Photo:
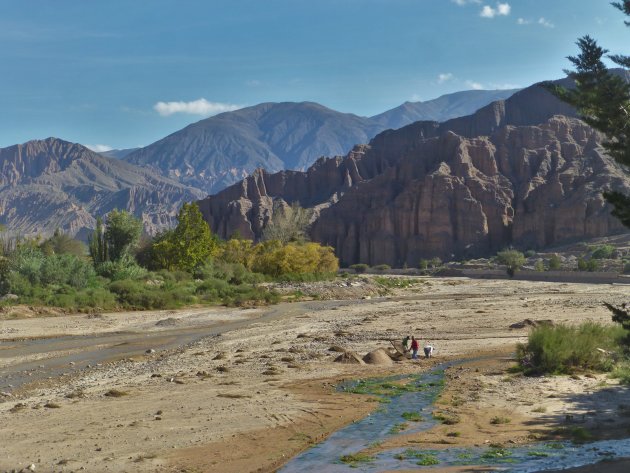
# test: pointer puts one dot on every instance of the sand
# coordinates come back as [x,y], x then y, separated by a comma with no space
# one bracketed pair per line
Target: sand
[251,398]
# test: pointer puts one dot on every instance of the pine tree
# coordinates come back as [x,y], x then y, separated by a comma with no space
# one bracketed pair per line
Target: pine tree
[603,101]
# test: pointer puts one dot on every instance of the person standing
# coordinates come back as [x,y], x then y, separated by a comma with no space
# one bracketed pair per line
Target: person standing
[428,350]
[414,348]
[405,343]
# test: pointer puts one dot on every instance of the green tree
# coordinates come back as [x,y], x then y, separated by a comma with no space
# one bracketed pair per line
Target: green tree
[288,224]
[122,233]
[603,101]
[96,243]
[512,259]
[62,244]
[189,245]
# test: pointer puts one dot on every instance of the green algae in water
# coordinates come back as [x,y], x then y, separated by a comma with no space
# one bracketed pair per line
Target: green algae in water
[538,454]
[356,458]
[555,446]
[412,416]
[385,389]
[398,428]
[424,458]
[497,455]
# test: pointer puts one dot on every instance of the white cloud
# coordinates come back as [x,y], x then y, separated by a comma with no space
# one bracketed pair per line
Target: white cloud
[445,77]
[253,83]
[99,148]
[474,85]
[546,23]
[196,107]
[465,2]
[502,9]
[522,21]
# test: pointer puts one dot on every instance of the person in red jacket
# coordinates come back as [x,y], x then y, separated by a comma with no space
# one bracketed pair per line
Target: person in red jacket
[414,348]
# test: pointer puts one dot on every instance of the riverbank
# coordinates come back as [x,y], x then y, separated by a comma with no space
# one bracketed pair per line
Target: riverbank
[249,399]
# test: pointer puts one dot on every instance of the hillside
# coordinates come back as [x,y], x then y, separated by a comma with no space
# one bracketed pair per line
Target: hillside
[53,184]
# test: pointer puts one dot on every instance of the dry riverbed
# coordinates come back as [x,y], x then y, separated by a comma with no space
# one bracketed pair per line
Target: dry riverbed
[249,399]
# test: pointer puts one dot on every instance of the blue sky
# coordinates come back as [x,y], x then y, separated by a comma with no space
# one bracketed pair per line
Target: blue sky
[124,73]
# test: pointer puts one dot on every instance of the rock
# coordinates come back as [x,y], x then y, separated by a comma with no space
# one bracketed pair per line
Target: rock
[511,174]
[150,350]
[378,357]
[31,467]
[9,297]
[349,357]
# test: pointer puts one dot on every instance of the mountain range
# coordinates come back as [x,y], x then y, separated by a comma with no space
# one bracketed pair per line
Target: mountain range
[52,184]
[521,171]
[221,150]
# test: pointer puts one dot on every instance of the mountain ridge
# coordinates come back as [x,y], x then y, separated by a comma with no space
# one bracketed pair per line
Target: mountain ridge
[220,150]
[53,184]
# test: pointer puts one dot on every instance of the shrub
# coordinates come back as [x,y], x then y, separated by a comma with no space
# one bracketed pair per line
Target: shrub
[382,267]
[123,268]
[66,269]
[512,259]
[602,251]
[360,268]
[587,265]
[424,264]
[555,263]
[435,262]
[563,350]
[539,266]
[530,254]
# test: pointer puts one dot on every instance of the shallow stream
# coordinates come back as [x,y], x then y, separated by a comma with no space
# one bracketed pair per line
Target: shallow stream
[406,406]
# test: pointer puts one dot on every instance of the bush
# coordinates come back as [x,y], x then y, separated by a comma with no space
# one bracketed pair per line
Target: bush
[360,268]
[382,267]
[66,269]
[423,264]
[123,268]
[539,266]
[563,349]
[530,254]
[587,265]
[512,259]
[555,263]
[602,252]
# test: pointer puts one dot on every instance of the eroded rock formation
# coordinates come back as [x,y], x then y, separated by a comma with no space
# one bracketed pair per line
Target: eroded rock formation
[507,175]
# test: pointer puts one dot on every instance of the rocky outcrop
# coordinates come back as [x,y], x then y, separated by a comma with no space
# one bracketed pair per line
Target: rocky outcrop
[52,184]
[511,174]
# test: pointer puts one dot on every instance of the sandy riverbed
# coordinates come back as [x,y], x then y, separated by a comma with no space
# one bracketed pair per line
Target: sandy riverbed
[251,398]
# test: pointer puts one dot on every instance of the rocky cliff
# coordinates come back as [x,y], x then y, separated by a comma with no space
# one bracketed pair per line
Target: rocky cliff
[52,184]
[514,173]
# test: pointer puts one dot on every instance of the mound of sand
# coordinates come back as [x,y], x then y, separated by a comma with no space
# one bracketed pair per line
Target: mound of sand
[378,357]
[349,357]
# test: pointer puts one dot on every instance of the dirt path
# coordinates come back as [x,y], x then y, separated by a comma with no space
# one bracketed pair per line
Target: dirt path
[250,398]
